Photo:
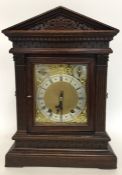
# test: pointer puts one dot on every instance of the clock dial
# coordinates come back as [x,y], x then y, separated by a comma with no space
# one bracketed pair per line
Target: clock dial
[79,71]
[60,93]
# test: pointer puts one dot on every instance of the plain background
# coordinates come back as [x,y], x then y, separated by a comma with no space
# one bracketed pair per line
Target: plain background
[15,11]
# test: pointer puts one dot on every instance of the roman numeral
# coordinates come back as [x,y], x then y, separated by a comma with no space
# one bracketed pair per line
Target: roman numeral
[77,107]
[61,78]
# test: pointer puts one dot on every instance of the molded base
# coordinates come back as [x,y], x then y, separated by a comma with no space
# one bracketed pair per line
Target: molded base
[19,157]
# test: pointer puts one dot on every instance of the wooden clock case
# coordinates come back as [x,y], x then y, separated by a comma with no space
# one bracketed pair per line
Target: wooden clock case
[61,36]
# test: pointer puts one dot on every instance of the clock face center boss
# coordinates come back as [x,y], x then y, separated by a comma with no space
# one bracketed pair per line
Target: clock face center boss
[60,91]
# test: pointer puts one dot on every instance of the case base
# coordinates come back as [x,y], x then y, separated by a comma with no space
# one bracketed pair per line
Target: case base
[86,158]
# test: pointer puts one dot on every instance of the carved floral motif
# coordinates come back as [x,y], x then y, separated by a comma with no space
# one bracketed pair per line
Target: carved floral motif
[61,22]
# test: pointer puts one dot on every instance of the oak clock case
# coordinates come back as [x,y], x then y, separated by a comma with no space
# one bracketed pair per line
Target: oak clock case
[61,77]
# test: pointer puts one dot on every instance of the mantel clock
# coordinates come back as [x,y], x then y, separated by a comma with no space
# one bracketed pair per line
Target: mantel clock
[61,71]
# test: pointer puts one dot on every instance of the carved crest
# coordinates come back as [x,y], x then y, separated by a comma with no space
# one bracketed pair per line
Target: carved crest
[60,23]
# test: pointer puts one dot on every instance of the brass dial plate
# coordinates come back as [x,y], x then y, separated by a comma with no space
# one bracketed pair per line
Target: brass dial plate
[60,93]
[53,91]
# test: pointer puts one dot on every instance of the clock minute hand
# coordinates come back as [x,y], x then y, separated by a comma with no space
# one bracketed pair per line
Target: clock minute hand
[61,100]
[59,107]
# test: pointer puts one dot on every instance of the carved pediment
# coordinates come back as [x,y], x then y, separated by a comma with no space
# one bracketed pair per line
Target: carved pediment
[60,18]
[61,23]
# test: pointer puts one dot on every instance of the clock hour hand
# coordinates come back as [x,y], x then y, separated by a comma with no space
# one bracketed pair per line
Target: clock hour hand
[59,107]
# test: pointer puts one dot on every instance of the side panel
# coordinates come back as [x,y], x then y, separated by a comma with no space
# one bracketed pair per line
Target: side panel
[20,77]
[101,84]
